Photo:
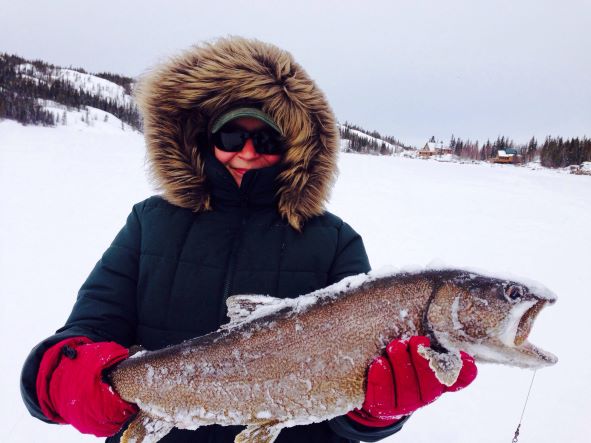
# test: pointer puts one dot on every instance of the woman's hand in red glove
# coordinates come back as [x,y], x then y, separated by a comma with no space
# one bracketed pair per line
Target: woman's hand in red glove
[70,386]
[402,381]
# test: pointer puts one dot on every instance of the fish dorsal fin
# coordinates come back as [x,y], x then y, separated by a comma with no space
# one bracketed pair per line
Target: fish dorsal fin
[243,308]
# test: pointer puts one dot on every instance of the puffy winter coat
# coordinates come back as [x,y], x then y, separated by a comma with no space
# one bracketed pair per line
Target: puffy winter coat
[167,274]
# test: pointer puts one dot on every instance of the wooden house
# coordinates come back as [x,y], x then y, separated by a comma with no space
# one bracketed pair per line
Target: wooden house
[507,156]
[432,148]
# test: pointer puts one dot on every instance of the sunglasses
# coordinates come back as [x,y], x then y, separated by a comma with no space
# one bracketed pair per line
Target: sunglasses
[266,141]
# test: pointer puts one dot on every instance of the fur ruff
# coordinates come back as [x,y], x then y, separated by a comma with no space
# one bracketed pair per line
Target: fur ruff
[179,98]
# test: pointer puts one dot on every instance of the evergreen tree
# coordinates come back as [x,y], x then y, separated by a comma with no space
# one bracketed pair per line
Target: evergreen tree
[531,150]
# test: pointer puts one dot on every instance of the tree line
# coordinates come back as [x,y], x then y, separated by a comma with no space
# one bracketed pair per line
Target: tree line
[21,92]
[474,151]
[555,152]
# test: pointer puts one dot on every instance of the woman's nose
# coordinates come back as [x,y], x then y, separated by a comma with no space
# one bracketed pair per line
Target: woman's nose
[248,151]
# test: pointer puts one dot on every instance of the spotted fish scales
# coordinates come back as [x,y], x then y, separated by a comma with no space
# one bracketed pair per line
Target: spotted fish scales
[286,362]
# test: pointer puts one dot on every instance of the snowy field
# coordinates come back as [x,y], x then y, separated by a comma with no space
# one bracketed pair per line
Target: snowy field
[67,191]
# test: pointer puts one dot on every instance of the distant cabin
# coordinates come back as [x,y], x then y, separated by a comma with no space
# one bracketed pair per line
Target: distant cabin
[507,155]
[434,148]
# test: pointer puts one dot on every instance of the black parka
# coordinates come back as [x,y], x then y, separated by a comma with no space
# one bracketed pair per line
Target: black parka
[167,274]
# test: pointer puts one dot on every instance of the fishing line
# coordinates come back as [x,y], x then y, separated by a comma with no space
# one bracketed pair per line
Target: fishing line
[516,436]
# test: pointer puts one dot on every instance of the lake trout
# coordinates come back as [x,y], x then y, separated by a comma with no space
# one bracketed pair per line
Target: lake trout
[286,362]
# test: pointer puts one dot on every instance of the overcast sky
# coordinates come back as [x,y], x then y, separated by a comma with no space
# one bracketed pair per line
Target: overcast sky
[410,69]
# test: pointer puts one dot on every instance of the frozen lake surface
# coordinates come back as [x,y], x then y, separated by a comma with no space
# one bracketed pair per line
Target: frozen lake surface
[68,190]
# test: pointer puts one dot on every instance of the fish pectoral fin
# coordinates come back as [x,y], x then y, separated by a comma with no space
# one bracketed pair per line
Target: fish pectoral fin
[265,432]
[146,429]
[242,308]
[445,365]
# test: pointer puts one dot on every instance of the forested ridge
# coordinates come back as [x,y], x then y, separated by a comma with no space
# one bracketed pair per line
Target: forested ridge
[25,84]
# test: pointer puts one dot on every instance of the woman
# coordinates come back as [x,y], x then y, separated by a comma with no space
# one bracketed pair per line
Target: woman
[244,147]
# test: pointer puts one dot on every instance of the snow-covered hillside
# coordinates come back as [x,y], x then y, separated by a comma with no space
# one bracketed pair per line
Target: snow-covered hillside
[67,191]
[38,93]
[88,83]
[346,129]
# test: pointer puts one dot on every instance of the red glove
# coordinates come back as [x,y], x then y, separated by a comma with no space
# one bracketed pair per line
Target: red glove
[402,382]
[70,386]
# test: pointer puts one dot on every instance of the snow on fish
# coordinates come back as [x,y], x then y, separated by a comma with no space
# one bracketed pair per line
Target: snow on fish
[286,362]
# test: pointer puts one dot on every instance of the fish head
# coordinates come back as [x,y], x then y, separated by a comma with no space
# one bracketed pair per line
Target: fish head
[489,318]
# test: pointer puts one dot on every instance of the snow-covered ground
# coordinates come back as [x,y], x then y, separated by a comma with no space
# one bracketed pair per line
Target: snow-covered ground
[67,191]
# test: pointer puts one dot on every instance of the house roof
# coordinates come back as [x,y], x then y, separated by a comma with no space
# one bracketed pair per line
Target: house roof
[433,146]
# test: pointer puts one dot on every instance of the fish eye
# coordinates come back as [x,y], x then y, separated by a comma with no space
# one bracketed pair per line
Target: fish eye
[514,292]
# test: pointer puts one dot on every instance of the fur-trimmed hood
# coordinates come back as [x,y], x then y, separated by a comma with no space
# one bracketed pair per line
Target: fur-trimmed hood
[178,98]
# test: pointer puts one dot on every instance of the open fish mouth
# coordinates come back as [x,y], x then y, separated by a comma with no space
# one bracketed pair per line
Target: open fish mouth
[510,346]
[533,356]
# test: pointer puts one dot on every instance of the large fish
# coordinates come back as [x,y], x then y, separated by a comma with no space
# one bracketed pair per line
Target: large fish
[287,362]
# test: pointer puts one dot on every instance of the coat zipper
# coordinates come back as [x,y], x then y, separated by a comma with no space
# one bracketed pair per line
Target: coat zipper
[231,269]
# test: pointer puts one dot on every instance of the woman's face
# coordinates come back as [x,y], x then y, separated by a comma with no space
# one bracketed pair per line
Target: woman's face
[240,162]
